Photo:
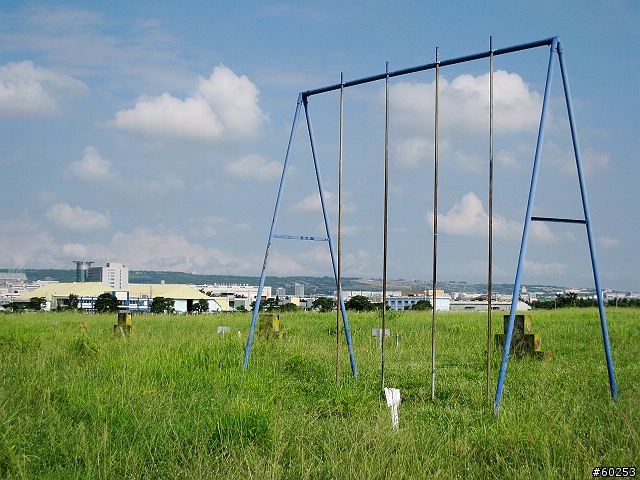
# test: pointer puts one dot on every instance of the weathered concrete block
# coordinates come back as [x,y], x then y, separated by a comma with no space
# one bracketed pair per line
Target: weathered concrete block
[522,324]
[123,328]
[269,326]
[523,341]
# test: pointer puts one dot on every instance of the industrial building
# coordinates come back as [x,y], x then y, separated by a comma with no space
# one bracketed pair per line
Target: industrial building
[136,297]
[114,274]
[240,293]
[483,305]
[408,299]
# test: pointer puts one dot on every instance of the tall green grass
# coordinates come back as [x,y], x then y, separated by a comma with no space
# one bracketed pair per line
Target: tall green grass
[172,400]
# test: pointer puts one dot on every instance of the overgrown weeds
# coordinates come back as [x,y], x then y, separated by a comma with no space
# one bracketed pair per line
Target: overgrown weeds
[173,401]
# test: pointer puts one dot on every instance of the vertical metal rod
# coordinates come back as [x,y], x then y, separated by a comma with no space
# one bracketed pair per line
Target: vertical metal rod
[525,233]
[490,270]
[384,228]
[435,233]
[256,307]
[328,230]
[585,207]
[339,280]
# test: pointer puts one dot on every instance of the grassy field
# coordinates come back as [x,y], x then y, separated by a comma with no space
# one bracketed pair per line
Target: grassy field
[172,400]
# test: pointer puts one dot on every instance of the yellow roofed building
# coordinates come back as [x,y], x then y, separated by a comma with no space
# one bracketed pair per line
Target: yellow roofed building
[136,297]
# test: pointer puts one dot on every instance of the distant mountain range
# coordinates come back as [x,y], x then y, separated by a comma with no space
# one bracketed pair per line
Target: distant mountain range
[312,285]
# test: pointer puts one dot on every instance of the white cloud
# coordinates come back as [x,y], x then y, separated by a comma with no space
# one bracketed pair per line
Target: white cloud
[470,162]
[546,269]
[360,262]
[166,183]
[254,166]
[507,159]
[464,105]
[23,242]
[150,250]
[173,183]
[608,242]
[76,219]
[27,90]
[563,159]
[541,231]
[212,226]
[285,264]
[463,111]
[75,250]
[465,218]
[314,261]
[411,151]
[223,109]
[593,162]
[91,167]
[468,218]
[311,203]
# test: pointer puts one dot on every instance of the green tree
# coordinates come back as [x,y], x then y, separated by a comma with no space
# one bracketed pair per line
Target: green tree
[423,304]
[73,301]
[288,307]
[162,305]
[106,302]
[16,307]
[324,304]
[359,303]
[202,306]
[268,305]
[36,303]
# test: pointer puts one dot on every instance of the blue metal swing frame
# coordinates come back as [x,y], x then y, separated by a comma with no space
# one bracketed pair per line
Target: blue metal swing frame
[555,48]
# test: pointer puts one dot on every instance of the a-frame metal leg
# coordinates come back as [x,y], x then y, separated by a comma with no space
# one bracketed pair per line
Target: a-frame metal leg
[587,218]
[555,47]
[345,320]
[256,308]
[525,233]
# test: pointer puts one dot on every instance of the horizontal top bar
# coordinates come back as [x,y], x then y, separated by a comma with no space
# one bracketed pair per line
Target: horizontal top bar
[430,66]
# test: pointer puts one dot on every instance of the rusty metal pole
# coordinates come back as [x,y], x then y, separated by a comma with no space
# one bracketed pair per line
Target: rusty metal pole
[490,272]
[435,235]
[339,282]
[386,205]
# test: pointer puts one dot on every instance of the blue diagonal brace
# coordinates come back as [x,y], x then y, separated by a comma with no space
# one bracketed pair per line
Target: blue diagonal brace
[256,308]
[587,218]
[345,320]
[525,233]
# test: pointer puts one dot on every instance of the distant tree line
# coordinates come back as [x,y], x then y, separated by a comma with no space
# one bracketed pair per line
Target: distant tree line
[624,302]
[360,303]
[564,300]
[273,305]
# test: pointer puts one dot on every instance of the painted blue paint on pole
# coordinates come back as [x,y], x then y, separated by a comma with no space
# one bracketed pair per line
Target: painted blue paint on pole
[328,229]
[256,307]
[585,206]
[525,232]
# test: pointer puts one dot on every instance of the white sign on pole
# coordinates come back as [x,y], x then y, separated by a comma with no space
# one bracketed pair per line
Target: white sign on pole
[377,332]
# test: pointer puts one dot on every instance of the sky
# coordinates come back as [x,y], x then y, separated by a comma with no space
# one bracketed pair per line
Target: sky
[154,134]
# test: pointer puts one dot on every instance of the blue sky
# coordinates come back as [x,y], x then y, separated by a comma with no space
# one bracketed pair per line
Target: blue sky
[153,134]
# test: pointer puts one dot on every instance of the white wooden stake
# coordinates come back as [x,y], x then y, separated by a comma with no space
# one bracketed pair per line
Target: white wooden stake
[393,400]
